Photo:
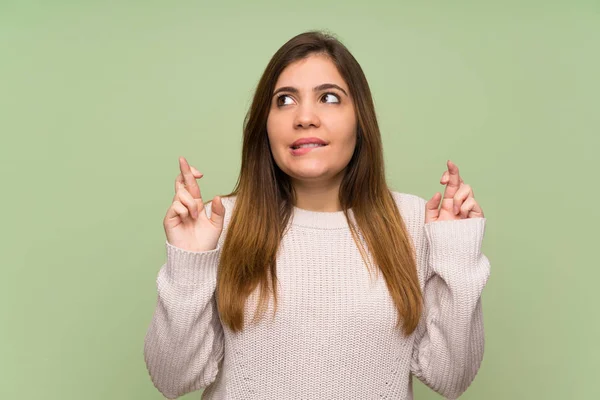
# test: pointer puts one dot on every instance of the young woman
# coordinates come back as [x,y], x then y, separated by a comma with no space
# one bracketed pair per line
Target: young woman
[267,292]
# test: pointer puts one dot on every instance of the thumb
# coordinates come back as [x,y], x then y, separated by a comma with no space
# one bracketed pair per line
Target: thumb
[217,211]
[432,208]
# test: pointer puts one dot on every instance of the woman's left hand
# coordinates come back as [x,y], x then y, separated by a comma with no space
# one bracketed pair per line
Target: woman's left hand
[458,201]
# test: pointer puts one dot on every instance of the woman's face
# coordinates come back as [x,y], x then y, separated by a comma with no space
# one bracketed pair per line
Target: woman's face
[311,100]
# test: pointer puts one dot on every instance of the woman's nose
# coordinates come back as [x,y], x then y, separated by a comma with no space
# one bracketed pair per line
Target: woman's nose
[306,116]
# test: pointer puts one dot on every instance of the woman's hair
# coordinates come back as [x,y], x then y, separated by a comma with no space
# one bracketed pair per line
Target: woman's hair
[265,198]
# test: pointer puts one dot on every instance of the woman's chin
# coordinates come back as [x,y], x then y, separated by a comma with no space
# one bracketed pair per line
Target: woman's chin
[309,175]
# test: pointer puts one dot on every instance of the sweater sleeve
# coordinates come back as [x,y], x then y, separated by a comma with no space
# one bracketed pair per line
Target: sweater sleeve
[184,342]
[449,341]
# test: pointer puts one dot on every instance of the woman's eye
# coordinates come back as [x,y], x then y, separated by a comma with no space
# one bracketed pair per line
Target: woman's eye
[281,100]
[333,97]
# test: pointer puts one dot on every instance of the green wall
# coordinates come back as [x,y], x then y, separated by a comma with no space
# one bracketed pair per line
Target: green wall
[99,99]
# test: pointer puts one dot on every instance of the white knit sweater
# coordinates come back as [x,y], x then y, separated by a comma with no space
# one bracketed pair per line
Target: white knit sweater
[334,334]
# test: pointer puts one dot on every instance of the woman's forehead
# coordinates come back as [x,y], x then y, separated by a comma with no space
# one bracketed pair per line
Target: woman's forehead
[310,72]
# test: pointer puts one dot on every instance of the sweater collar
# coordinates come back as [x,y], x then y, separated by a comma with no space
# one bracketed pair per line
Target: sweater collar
[320,219]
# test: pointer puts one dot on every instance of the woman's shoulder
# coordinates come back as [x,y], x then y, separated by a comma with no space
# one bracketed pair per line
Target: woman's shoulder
[411,206]
[408,199]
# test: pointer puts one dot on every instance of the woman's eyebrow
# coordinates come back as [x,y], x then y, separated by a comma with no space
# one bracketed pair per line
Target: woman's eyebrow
[323,86]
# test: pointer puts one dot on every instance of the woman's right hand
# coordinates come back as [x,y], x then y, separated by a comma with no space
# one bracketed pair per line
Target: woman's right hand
[186,224]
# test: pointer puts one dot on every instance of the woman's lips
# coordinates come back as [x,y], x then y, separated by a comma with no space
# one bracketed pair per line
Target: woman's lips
[304,150]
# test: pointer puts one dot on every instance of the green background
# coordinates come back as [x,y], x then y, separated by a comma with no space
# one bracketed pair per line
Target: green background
[99,99]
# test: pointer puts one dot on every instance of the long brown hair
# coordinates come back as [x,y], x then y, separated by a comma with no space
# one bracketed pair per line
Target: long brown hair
[265,198]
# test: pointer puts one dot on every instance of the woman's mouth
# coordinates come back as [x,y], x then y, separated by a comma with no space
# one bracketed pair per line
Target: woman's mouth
[305,148]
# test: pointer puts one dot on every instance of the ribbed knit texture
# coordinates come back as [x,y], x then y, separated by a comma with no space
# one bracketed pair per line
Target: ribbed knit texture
[334,334]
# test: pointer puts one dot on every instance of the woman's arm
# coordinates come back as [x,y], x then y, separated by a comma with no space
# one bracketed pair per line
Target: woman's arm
[449,341]
[184,343]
